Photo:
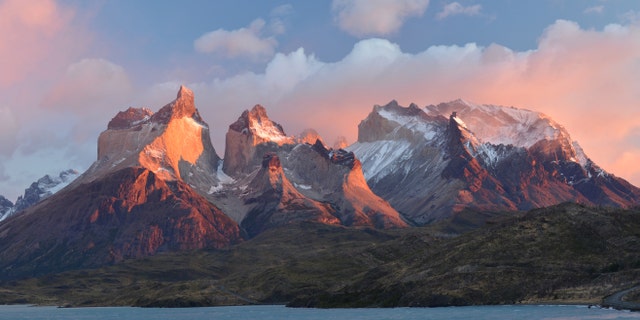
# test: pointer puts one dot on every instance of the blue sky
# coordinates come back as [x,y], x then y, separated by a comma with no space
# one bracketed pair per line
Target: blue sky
[71,65]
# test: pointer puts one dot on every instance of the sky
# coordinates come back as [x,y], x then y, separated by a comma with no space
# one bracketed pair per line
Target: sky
[68,66]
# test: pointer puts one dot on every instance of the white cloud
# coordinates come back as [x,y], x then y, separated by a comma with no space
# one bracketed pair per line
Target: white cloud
[455,8]
[594,10]
[243,42]
[375,17]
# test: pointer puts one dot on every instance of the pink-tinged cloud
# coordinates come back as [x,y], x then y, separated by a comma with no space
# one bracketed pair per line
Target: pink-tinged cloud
[455,8]
[29,33]
[585,79]
[244,42]
[88,85]
[375,17]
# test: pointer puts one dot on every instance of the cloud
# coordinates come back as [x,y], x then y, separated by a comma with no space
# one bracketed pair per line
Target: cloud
[244,42]
[455,8]
[3,174]
[38,39]
[29,32]
[631,16]
[585,79]
[8,131]
[88,84]
[277,24]
[375,17]
[594,10]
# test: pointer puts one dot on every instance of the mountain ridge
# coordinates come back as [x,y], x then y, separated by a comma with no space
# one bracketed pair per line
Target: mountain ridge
[158,184]
[437,148]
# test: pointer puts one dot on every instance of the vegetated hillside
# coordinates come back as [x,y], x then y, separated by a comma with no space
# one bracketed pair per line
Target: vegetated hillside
[566,253]
[274,267]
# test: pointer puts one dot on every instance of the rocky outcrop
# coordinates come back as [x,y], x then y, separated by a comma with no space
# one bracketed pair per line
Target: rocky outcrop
[130,213]
[251,136]
[327,185]
[174,143]
[335,177]
[144,194]
[482,157]
[274,201]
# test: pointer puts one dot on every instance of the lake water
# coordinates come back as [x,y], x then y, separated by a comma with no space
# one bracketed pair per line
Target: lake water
[519,312]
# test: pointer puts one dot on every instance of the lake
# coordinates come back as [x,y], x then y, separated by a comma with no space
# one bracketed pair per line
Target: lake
[520,312]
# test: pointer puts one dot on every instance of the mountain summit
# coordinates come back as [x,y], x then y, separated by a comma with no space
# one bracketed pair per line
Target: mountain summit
[173,143]
[432,162]
[143,195]
[300,180]
[158,185]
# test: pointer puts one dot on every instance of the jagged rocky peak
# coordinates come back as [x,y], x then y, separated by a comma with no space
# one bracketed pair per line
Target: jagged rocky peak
[272,200]
[393,106]
[42,189]
[522,128]
[308,136]
[130,213]
[335,177]
[341,157]
[271,161]
[173,143]
[431,162]
[248,138]
[393,122]
[256,124]
[183,107]
[129,118]
[503,125]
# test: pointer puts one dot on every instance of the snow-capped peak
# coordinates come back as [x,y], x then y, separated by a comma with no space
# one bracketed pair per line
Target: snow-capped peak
[43,188]
[256,122]
[412,118]
[502,125]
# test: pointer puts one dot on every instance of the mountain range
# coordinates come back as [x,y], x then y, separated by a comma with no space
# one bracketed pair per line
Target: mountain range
[158,184]
[435,161]
[37,191]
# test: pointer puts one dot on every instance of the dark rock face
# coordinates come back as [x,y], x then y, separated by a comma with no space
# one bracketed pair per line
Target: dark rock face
[131,213]
[143,195]
[251,136]
[429,167]
[335,177]
[285,180]
[274,201]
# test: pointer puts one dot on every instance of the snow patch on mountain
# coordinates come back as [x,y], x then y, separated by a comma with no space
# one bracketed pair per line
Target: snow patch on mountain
[381,158]
[269,132]
[413,123]
[501,125]
[41,189]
